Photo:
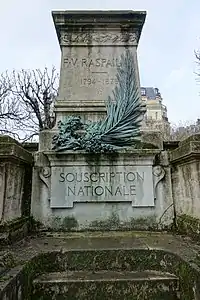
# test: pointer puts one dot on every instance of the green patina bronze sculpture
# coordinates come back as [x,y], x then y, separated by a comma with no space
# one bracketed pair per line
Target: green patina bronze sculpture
[121,127]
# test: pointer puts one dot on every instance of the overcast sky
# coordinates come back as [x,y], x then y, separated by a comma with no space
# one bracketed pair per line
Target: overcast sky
[166,49]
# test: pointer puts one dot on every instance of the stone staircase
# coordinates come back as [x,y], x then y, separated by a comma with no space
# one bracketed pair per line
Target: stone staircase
[106,284]
[102,273]
[109,265]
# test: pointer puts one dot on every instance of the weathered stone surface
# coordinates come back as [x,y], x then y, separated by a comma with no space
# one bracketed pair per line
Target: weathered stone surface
[92,43]
[15,163]
[76,190]
[106,285]
[185,172]
[11,149]
[189,226]
[45,140]
[75,183]
[12,195]
[119,190]
[31,147]
[154,138]
[115,252]
[14,230]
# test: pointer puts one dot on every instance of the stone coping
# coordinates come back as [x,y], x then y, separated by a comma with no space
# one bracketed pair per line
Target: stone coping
[74,21]
[66,242]
[12,150]
[64,17]
[31,146]
[104,276]
[99,12]
[187,151]
[192,138]
[81,241]
[125,151]
[124,156]
[78,107]
[173,249]
[170,145]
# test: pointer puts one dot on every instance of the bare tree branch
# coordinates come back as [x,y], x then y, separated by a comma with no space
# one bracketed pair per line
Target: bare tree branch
[26,101]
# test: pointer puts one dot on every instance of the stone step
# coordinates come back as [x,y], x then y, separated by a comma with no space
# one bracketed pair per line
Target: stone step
[108,259]
[102,285]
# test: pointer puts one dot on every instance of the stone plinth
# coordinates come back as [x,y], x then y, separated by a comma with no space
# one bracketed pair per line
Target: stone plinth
[15,179]
[92,43]
[90,189]
[185,161]
[79,190]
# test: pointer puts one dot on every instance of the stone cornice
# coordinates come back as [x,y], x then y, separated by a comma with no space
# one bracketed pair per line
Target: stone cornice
[140,156]
[10,150]
[91,27]
[186,152]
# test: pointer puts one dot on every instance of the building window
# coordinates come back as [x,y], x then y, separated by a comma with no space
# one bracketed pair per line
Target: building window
[156,115]
[157,92]
[143,92]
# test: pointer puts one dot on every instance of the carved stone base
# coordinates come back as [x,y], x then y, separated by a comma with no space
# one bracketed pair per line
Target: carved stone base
[85,189]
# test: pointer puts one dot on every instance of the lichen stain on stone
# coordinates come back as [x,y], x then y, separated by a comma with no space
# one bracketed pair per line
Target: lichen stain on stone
[113,223]
[188,225]
[110,259]
[68,223]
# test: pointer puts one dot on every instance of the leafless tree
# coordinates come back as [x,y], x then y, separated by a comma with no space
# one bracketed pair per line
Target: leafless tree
[10,111]
[174,131]
[27,99]
[182,130]
[197,56]
[32,94]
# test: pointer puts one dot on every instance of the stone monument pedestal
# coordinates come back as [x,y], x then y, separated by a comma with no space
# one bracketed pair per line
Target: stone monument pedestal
[92,43]
[122,188]
[83,191]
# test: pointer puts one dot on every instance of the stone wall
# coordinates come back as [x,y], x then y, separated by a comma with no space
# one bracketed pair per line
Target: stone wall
[185,168]
[15,180]
[178,192]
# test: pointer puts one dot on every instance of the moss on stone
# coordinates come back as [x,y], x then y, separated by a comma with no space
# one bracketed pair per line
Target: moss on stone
[145,145]
[113,223]
[105,290]
[14,230]
[143,223]
[13,224]
[68,223]
[130,259]
[188,225]
[5,278]
[34,225]
[39,264]
[110,259]
[7,260]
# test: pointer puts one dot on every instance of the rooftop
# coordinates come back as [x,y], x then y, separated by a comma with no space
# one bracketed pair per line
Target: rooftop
[150,92]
